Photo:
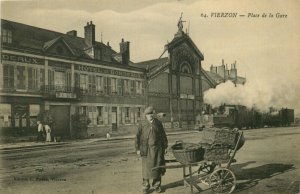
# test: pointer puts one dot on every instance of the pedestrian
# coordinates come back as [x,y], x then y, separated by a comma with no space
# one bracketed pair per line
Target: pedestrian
[151,144]
[39,131]
[107,136]
[48,133]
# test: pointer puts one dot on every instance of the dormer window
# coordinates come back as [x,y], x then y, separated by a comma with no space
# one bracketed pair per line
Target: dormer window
[6,36]
[97,53]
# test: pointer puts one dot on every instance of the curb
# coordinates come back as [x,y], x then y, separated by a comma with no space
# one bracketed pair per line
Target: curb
[34,146]
[132,137]
[95,140]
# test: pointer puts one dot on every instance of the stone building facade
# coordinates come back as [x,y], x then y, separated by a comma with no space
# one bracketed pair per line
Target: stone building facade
[43,70]
[61,73]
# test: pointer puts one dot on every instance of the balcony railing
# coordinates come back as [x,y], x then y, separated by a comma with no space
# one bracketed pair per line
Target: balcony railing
[87,92]
[62,91]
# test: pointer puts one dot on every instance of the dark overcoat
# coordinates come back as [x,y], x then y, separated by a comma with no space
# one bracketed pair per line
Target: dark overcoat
[152,142]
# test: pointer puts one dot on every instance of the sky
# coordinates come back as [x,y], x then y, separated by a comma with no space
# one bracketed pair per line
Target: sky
[266,49]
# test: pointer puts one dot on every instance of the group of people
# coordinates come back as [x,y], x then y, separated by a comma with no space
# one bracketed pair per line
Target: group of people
[43,133]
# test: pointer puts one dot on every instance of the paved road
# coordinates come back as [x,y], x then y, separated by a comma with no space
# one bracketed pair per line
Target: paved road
[268,163]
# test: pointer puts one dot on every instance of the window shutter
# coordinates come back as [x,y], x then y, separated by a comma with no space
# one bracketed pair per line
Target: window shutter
[30,81]
[68,80]
[94,84]
[105,85]
[126,87]
[143,87]
[119,115]
[120,86]
[109,114]
[108,85]
[76,77]
[105,115]
[11,76]
[89,83]
[50,78]
[135,115]
[123,114]
[42,77]
[131,112]
[132,87]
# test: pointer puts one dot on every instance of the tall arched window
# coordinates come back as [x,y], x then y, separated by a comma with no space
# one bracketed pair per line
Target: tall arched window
[186,68]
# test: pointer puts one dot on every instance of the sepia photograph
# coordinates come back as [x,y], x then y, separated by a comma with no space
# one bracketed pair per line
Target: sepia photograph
[150,96]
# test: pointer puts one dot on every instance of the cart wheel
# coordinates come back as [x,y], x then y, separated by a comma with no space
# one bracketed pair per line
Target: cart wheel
[206,168]
[222,180]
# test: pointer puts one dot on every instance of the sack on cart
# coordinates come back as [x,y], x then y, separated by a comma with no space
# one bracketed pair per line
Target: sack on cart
[225,137]
[215,152]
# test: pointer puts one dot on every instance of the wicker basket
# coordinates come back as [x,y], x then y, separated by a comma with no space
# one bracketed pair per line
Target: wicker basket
[187,152]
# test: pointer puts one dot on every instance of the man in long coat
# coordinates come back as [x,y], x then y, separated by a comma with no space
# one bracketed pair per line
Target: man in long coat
[151,144]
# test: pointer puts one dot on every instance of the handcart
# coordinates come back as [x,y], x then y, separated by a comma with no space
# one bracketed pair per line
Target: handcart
[212,171]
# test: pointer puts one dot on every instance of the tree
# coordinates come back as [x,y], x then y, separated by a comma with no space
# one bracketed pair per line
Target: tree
[80,124]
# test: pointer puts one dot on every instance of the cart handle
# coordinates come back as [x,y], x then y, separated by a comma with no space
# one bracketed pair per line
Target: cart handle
[234,151]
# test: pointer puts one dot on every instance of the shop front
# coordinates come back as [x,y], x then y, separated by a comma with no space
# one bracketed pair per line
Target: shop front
[19,116]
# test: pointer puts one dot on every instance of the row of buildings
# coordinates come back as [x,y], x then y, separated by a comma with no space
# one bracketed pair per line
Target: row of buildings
[43,70]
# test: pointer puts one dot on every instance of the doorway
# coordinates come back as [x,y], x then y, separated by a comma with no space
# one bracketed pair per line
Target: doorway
[114,118]
[61,116]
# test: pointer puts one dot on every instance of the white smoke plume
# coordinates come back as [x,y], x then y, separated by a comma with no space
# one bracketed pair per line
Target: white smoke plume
[253,93]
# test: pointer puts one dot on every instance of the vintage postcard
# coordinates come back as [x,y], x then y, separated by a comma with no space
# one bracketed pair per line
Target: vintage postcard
[150,96]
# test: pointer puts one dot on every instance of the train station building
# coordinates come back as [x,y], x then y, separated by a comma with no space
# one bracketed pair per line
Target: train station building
[43,70]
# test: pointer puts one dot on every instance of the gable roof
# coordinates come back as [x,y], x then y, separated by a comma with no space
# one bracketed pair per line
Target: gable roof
[209,79]
[184,38]
[50,43]
[37,39]
[216,77]
[151,63]
[240,80]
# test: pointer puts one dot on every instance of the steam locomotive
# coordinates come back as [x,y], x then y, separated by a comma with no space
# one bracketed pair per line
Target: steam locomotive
[238,116]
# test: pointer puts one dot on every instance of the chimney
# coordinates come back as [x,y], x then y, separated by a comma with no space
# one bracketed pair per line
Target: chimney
[233,72]
[221,69]
[89,33]
[213,69]
[108,44]
[226,72]
[72,33]
[125,52]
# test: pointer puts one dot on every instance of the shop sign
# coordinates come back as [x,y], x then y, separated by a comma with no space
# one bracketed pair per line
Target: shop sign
[22,59]
[191,97]
[59,65]
[187,96]
[65,95]
[183,95]
[108,71]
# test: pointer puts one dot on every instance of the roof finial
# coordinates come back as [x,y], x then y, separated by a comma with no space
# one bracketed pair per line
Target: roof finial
[180,23]
[189,28]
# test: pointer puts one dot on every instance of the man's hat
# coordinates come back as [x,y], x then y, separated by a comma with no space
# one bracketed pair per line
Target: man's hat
[149,110]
